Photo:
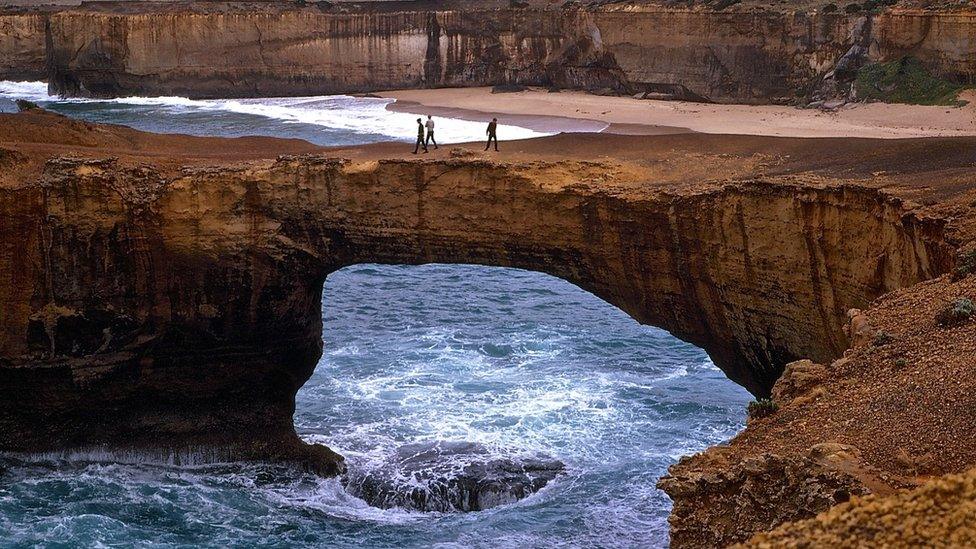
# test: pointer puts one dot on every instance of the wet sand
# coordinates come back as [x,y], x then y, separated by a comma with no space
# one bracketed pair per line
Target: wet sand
[541,122]
[627,115]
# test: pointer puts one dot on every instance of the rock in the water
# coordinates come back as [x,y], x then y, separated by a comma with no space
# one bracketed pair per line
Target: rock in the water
[451,476]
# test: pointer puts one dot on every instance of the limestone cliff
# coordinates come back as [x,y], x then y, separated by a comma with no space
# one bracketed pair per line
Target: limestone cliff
[145,307]
[163,293]
[237,50]
[23,48]
[893,412]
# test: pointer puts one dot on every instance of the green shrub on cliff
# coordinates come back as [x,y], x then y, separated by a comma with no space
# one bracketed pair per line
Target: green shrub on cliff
[966,266]
[905,80]
[722,4]
[762,407]
[883,338]
[24,105]
[959,311]
[875,6]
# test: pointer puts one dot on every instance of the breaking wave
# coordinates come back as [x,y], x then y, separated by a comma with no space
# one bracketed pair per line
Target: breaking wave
[506,365]
[324,120]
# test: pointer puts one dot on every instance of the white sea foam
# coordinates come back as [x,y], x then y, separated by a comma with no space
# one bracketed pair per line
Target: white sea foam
[364,115]
[174,457]
[615,401]
[31,91]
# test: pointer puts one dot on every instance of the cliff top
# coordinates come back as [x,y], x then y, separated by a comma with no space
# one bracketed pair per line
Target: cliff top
[36,135]
[901,399]
[689,161]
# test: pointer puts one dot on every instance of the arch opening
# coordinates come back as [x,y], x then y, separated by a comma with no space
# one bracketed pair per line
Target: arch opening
[202,314]
[522,364]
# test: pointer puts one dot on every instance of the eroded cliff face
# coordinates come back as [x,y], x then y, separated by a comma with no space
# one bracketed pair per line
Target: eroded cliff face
[893,412]
[145,310]
[23,48]
[719,501]
[215,50]
[307,52]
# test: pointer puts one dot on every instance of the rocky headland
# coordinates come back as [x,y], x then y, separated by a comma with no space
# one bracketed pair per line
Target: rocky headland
[729,52]
[162,293]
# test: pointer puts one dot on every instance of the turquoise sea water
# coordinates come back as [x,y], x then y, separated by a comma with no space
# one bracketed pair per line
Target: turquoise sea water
[520,362]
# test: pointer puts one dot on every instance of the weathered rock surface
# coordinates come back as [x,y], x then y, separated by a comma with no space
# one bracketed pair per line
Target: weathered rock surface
[23,48]
[151,305]
[146,308]
[449,477]
[718,502]
[239,50]
[797,378]
[941,513]
[904,403]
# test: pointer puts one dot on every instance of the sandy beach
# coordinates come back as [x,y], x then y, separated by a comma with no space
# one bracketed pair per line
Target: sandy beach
[539,109]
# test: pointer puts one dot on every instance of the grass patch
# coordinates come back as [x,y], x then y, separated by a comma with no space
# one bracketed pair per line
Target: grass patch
[883,338]
[905,81]
[24,105]
[965,266]
[761,408]
[958,312]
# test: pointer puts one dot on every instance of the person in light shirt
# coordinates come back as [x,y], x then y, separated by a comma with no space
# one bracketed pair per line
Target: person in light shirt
[430,133]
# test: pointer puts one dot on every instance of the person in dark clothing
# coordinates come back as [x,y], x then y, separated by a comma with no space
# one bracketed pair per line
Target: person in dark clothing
[430,132]
[492,133]
[420,137]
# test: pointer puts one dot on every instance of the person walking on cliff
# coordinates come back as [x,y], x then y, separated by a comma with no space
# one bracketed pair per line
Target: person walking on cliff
[492,133]
[420,137]
[430,132]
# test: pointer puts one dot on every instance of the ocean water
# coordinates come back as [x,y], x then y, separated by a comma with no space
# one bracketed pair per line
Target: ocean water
[519,362]
[324,120]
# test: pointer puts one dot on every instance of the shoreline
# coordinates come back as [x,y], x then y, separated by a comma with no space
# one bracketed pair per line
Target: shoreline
[629,116]
[535,122]
[623,211]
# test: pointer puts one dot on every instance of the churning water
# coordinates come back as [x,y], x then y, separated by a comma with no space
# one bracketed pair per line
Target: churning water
[324,120]
[519,362]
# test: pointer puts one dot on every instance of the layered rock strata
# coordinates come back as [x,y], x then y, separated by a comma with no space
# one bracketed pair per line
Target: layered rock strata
[234,50]
[163,293]
[23,46]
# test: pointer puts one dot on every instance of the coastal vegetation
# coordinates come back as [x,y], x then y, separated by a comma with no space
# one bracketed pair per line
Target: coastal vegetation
[905,80]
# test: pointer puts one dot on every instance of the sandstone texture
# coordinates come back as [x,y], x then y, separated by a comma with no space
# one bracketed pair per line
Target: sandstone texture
[942,513]
[745,53]
[23,47]
[162,293]
[797,378]
[719,500]
[902,404]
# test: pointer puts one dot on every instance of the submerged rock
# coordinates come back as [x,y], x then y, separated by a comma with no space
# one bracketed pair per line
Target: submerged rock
[450,477]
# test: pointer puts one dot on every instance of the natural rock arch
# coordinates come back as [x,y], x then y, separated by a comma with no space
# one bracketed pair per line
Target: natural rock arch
[173,315]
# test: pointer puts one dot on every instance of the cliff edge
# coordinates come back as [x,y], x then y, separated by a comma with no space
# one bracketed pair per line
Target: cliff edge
[162,293]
